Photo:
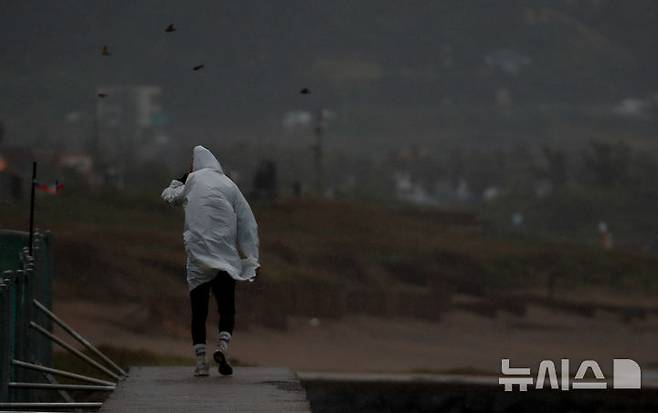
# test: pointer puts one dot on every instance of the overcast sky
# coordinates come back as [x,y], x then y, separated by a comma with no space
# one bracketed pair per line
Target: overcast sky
[374,61]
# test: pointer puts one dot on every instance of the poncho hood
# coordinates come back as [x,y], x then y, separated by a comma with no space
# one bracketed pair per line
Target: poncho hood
[202,158]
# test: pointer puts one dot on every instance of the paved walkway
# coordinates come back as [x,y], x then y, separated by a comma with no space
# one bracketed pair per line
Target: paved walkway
[174,390]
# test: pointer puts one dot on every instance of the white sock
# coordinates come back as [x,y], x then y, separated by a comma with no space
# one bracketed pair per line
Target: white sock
[200,353]
[224,341]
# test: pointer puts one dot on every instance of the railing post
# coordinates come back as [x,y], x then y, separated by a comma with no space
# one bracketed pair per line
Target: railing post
[9,332]
[4,341]
[11,324]
[29,347]
[21,347]
[43,292]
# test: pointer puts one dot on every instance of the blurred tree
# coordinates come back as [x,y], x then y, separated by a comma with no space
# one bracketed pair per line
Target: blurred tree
[608,164]
[484,169]
[556,170]
[265,181]
[456,166]
[643,174]
[150,174]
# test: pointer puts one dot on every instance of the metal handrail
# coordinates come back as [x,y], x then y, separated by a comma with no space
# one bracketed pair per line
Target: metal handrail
[73,350]
[52,405]
[62,373]
[78,337]
[60,386]
[26,339]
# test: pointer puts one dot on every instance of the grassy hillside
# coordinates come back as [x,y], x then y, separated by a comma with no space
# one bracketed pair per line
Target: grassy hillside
[324,258]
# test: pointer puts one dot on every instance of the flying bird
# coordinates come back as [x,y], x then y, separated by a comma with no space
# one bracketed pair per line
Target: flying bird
[170,29]
[102,95]
[105,51]
[195,68]
[305,91]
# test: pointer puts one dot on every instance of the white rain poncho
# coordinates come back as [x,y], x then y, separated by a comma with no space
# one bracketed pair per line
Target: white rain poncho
[219,223]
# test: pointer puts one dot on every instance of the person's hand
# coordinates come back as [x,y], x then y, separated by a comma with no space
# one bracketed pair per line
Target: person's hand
[252,279]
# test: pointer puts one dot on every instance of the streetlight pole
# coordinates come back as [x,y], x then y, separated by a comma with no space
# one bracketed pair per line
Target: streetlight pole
[34,184]
[318,151]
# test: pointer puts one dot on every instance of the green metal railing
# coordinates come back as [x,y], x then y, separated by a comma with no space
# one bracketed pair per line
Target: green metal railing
[26,336]
[23,279]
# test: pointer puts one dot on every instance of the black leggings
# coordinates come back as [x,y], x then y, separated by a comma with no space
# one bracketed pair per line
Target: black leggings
[223,288]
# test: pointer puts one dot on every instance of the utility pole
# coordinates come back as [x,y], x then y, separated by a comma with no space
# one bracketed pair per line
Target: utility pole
[94,143]
[32,202]
[318,150]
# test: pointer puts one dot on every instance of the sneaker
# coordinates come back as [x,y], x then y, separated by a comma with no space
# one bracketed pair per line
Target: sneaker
[221,353]
[202,367]
[225,368]
[201,370]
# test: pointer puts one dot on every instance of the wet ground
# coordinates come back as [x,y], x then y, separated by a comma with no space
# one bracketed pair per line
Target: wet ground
[333,396]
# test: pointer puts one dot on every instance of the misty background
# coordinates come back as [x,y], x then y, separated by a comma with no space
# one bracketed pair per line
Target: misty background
[543,113]
[464,181]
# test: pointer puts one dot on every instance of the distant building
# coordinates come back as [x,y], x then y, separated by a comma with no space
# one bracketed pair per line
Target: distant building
[517,219]
[641,108]
[503,98]
[543,188]
[11,186]
[464,193]
[80,163]
[444,191]
[130,129]
[76,168]
[508,61]
[15,171]
[490,194]
[409,191]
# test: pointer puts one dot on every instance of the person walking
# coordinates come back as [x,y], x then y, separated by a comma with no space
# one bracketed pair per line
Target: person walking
[221,242]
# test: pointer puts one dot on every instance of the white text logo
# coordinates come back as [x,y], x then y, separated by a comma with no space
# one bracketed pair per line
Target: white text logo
[626,375]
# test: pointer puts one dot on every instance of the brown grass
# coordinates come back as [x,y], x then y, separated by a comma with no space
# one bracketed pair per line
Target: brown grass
[320,258]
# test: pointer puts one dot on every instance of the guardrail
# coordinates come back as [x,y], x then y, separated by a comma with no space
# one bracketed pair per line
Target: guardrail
[26,337]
